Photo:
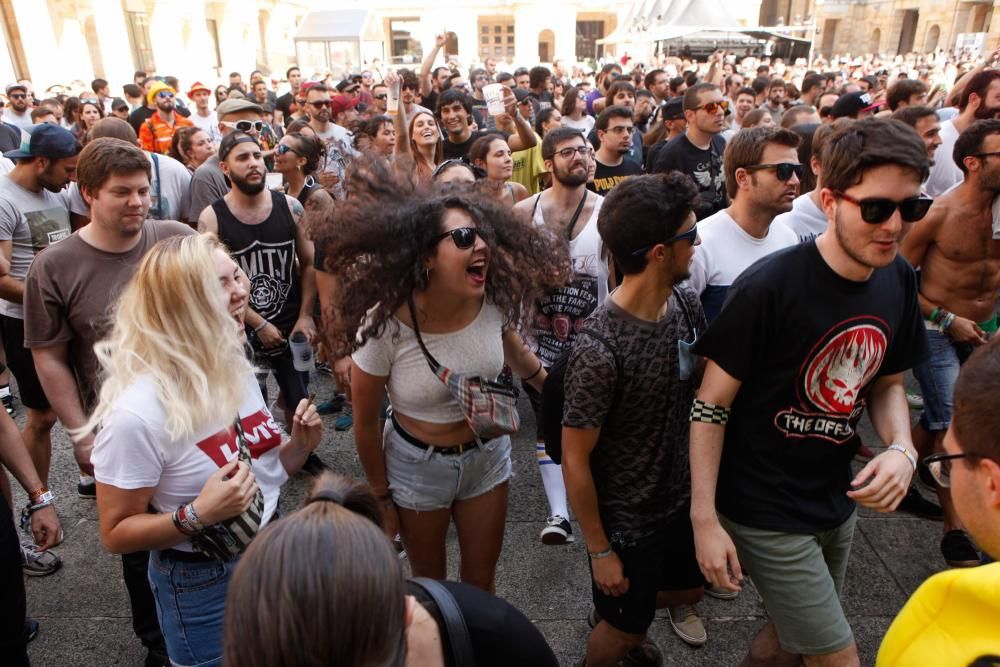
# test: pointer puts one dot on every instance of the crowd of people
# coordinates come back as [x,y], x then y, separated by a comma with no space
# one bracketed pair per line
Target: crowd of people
[700,274]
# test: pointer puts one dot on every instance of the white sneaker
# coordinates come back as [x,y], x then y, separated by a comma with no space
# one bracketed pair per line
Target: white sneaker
[37,563]
[558,531]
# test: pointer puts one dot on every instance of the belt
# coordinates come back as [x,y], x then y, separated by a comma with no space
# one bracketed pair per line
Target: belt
[187,556]
[454,450]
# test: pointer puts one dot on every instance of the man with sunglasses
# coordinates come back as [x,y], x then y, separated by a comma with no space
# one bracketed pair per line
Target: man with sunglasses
[959,259]
[380,100]
[762,178]
[338,140]
[18,111]
[570,211]
[698,152]
[809,337]
[209,183]
[157,132]
[952,618]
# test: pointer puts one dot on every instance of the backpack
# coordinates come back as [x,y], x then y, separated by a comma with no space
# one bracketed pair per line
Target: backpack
[554,393]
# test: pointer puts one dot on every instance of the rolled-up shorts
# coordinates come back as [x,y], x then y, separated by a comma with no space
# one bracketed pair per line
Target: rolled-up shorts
[937,376]
[800,576]
[424,480]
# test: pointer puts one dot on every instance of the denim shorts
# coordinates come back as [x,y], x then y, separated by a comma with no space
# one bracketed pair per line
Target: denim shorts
[190,601]
[422,480]
[800,576]
[937,376]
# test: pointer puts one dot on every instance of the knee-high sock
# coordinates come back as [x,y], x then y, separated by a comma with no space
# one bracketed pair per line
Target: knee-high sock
[552,480]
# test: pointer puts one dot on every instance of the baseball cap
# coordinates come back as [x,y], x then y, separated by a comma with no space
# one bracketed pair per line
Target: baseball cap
[232,140]
[851,104]
[347,86]
[340,103]
[16,86]
[196,87]
[235,106]
[45,140]
[673,109]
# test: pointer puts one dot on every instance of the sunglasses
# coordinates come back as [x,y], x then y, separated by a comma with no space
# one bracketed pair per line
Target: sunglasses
[464,237]
[244,125]
[319,104]
[713,107]
[165,95]
[690,235]
[409,87]
[17,96]
[939,466]
[875,211]
[381,97]
[783,171]
[282,149]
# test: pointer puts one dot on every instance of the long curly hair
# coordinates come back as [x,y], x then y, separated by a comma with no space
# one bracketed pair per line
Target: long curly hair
[377,243]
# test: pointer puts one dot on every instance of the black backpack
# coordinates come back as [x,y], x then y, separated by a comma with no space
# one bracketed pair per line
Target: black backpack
[554,394]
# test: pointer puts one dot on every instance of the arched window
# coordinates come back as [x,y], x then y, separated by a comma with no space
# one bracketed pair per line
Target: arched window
[933,37]
[546,46]
[876,41]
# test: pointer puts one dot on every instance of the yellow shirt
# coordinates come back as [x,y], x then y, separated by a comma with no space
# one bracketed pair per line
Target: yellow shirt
[528,167]
[952,619]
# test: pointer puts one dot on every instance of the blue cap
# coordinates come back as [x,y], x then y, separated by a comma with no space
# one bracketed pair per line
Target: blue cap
[45,140]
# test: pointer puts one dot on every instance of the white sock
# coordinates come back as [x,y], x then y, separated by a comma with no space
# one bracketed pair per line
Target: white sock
[4,391]
[552,480]
[86,480]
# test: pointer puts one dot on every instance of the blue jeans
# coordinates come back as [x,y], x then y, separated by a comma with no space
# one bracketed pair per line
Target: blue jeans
[937,377]
[190,600]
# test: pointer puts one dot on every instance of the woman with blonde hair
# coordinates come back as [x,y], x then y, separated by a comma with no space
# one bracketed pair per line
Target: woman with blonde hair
[188,460]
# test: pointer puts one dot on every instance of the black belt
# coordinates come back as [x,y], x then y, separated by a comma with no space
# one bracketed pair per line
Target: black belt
[454,450]
[187,556]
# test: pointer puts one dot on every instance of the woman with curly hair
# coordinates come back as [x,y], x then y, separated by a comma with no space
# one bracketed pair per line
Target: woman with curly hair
[462,270]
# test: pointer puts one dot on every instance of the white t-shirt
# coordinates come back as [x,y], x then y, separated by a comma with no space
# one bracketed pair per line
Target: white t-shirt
[132,450]
[805,219]
[209,123]
[414,390]
[945,174]
[726,250]
[22,120]
[170,186]
[585,124]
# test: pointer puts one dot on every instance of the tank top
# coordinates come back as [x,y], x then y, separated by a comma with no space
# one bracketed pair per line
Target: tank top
[266,252]
[560,313]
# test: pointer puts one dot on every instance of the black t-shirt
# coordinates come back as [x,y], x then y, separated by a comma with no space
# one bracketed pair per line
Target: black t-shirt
[807,345]
[634,153]
[286,105]
[430,101]
[704,166]
[606,178]
[140,116]
[452,151]
[640,464]
[501,635]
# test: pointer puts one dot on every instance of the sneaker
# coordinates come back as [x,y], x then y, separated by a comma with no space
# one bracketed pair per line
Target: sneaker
[345,421]
[864,453]
[720,593]
[87,488]
[314,466]
[558,531]
[155,658]
[38,563]
[915,504]
[8,405]
[687,624]
[957,549]
[915,400]
[593,618]
[646,654]
[328,407]
[30,629]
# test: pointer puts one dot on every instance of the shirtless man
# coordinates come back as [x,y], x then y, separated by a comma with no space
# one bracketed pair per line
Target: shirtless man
[959,259]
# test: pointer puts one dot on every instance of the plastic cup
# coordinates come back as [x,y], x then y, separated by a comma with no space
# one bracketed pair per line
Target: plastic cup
[392,98]
[493,93]
[302,352]
[273,181]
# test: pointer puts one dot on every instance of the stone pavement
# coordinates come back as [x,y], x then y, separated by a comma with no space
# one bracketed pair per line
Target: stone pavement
[85,620]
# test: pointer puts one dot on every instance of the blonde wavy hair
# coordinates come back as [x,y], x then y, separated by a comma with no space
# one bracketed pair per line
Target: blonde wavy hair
[173,323]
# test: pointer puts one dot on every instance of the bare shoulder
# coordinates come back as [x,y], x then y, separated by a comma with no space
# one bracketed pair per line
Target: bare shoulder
[207,222]
[525,203]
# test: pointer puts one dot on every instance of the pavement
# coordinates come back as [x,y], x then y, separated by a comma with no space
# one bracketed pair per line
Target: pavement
[85,618]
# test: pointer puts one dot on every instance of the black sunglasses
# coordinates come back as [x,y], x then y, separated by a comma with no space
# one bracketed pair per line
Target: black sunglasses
[689,235]
[285,148]
[876,211]
[940,466]
[783,171]
[464,237]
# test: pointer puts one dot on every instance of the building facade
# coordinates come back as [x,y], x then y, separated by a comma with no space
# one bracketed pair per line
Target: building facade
[891,26]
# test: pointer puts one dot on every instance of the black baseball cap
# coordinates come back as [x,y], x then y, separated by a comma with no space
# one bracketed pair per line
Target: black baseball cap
[851,104]
[673,109]
[45,140]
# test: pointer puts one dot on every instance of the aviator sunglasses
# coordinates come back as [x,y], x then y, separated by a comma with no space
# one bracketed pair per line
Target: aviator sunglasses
[875,211]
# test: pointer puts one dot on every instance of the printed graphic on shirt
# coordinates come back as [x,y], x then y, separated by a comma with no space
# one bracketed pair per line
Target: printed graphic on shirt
[159,204]
[603,186]
[561,313]
[261,433]
[47,227]
[833,379]
[270,267]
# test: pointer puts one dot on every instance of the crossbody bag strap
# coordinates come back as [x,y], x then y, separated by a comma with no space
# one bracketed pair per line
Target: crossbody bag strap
[576,215]
[431,361]
[454,621]
[241,439]
[159,184]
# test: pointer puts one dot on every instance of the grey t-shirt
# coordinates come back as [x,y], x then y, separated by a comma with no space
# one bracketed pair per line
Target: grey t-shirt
[207,186]
[640,464]
[31,221]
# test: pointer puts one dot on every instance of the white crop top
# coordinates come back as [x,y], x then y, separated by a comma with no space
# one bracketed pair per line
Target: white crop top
[413,388]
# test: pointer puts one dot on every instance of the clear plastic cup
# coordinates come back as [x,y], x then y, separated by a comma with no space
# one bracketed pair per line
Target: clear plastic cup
[302,352]
[392,98]
[493,94]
